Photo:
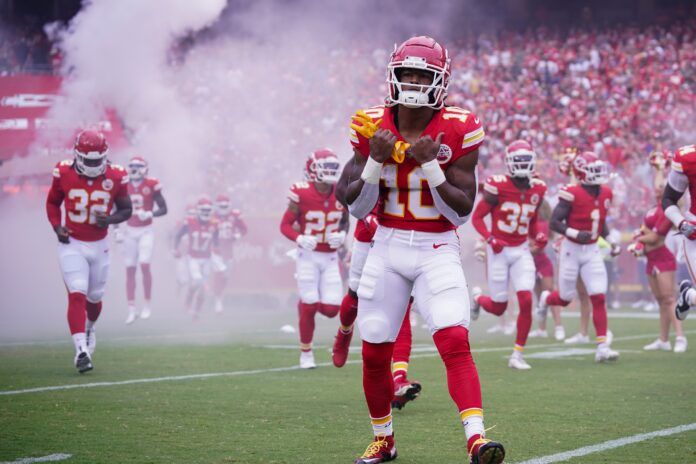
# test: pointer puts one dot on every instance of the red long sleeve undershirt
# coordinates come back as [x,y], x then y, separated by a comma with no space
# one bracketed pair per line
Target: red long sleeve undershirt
[483,209]
[286,225]
[53,202]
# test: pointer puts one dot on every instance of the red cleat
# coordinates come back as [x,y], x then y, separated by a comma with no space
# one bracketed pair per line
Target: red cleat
[340,348]
[486,451]
[405,391]
[382,449]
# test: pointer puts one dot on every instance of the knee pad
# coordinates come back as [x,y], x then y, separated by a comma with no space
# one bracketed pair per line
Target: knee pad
[374,328]
[332,287]
[448,309]
[371,281]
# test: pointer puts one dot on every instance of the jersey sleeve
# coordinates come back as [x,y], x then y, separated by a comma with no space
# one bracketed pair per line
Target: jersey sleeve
[55,198]
[156,185]
[121,183]
[566,193]
[468,129]
[491,186]
[294,193]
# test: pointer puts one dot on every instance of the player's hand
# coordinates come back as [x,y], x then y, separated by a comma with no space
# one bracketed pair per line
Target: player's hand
[143,215]
[307,242]
[102,219]
[336,239]
[636,249]
[541,239]
[584,237]
[425,149]
[382,145]
[367,127]
[63,234]
[480,251]
[497,245]
[688,229]
[615,250]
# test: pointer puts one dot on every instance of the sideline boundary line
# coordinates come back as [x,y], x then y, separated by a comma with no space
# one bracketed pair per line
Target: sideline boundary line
[49,458]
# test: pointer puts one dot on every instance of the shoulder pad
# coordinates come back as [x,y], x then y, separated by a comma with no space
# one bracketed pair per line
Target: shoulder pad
[567,193]
[117,167]
[493,182]
[538,182]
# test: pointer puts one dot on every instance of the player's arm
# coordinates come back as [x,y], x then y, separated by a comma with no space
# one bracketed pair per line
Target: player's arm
[344,225]
[483,209]
[55,218]
[161,204]
[559,218]
[677,183]
[288,221]
[613,238]
[124,210]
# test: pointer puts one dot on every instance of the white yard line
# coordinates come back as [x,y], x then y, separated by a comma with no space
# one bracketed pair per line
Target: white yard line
[49,458]
[263,371]
[611,444]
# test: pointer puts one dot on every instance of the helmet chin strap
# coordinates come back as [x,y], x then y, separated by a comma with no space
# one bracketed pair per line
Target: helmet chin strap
[413,98]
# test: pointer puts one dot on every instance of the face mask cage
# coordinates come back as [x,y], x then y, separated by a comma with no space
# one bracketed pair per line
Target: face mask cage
[205,212]
[92,164]
[596,173]
[431,95]
[521,164]
[327,171]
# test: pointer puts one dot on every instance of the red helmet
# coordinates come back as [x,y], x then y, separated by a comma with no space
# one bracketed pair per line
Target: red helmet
[322,166]
[520,159]
[204,209]
[223,204]
[191,211]
[90,153]
[137,168]
[422,53]
[589,169]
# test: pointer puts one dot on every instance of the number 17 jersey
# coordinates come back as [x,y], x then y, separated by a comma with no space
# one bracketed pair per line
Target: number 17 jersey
[586,211]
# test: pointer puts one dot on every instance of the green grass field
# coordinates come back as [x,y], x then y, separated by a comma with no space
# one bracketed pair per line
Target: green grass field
[290,416]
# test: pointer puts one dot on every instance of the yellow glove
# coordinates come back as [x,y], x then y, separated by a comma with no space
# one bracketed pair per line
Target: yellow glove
[399,152]
[367,128]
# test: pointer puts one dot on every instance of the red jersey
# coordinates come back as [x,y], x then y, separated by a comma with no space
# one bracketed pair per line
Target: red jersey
[685,162]
[83,198]
[406,201]
[586,211]
[656,221]
[231,226]
[200,237]
[142,196]
[516,209]
[320,214]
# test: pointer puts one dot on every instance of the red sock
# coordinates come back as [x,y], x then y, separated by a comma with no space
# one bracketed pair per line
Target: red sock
[524,318]
[349,309]
[377,380]
[130,283]
[147,280]
[554,299]
[328,310]
[94,310]
[77,312]
[599,315]
[462,378]
[493,307]
[307,312]
[402,345]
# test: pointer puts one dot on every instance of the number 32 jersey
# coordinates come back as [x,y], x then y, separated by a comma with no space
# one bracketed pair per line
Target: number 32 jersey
[406,199]
[516,209]
[84,197]
[586,211]
[319,214]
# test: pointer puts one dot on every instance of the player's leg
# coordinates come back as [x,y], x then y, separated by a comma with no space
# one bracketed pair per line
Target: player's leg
[130,259]
[196,281]
[594,275]
[145,248]
[307,273]
[665,283]
[442,299]
[75,270]
[559,330]
[405,390]
[330,285]
[568,271]
[687,293]
[497,266]
[540,332]
[98,276]
[522,277]
[666,306]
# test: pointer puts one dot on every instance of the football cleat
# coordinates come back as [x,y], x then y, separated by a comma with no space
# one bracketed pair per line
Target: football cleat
[658,345]
[542,306]
[146,312]
[475,306]
[218,306]
[604,354]
[83,362]
[91,336]
[683,306]
[680,345]
[405,391]
[577,339]
[517,362]
[538,333]
[382,449]
[307,360]
[339,355]
[559,333]
[486,451]
[132,315]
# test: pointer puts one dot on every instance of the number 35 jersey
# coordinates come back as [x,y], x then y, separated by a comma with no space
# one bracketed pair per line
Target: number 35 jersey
[84,197]
[586,211]
[319,215]
[406,199]
[516,209]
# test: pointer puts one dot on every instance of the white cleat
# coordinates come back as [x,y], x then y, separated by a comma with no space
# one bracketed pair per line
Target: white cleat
[559,333]
[605,354]
[91,335]
[495,329]
[307,360]
[475,307]
[577,339]
[680,344]
[542,306]
[218,306]
[83,362]
[510,328]
[132,315]
[146,312]
[538,333]
[658,345]
[517,362]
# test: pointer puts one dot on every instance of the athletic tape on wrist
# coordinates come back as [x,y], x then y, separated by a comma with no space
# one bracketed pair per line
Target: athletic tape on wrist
[372,171]
[433,173]
[674,214]
[572,233]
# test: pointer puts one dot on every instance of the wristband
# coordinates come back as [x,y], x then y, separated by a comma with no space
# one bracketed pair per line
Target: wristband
[372,171]
[673,214]
[433,173]
[572,233]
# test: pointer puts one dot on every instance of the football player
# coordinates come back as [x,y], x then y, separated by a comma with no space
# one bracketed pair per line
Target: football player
[323,223]
[202,236]
[138,237]
[415,159]
[681,176]
[89,187]
[231,228]
[513,202]
[580,216]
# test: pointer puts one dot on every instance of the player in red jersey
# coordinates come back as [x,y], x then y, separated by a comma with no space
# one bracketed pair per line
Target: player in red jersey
[182,270]
[232,227]
[513,202]
[418,158]
[581,217]
[322,222]
[138,237]
[681,176]
[89,187]
[201,233]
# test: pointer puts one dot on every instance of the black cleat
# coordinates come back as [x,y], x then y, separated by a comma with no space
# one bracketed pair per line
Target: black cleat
[490,452]
[683,306]
[83,362]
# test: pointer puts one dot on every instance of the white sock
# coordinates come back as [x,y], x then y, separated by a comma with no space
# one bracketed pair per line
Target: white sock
[80,341]
[382,426]
[473,425]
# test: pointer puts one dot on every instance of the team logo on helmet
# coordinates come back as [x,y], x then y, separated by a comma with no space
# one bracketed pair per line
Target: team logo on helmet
[534,199]
[444,154]
[107,184]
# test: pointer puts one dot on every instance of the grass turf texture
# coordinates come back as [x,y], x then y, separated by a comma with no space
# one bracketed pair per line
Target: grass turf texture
[319,416]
